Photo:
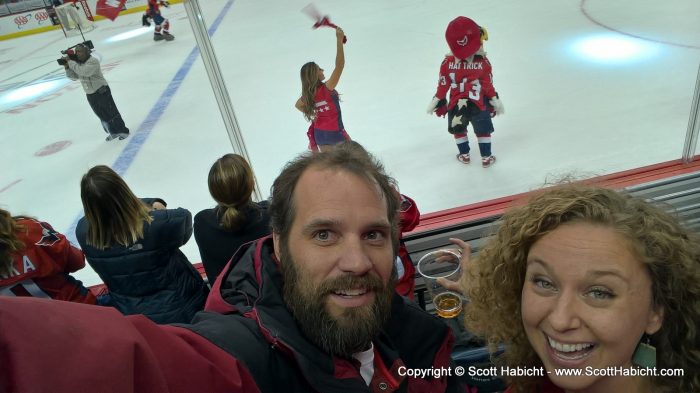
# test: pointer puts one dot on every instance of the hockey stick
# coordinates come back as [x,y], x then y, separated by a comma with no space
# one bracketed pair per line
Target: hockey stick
[314,14]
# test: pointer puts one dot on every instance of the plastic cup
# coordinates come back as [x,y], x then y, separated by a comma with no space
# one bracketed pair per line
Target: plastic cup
[442,264]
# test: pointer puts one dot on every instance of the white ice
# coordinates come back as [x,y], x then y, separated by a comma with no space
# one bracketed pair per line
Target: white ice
[571,107]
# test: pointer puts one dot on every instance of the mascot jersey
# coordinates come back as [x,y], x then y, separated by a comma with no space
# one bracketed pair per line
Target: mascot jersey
[471,80]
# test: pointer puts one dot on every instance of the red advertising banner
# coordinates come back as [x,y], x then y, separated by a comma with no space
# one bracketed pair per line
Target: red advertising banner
[109,8]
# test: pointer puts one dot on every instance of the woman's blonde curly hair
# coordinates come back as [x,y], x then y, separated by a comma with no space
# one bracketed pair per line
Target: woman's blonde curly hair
[670,252]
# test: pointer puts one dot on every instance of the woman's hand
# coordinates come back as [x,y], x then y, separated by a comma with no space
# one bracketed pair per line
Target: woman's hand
[339,34]
[465,253]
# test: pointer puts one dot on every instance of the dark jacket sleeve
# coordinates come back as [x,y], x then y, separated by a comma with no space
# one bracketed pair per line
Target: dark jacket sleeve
[176,226]
[151,201]
[69,347]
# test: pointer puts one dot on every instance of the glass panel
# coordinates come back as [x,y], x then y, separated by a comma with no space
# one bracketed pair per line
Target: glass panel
[589,88]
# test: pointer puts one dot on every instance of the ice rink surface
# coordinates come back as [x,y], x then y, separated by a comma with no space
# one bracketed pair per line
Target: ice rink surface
[590,88]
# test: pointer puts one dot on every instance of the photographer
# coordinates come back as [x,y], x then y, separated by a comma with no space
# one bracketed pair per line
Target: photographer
[81,66]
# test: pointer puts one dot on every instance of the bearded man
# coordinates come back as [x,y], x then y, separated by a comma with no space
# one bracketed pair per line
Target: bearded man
[310,309]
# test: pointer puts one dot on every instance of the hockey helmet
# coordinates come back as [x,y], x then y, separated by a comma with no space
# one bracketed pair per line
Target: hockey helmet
[463,36]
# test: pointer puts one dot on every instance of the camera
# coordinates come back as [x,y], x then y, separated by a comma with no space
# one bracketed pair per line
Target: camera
[70,52]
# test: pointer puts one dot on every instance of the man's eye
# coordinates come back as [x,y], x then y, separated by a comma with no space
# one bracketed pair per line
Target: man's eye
[374,235]
[322,235]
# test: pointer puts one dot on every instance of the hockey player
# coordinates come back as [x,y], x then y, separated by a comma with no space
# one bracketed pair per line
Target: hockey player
[466,74]
[162,24]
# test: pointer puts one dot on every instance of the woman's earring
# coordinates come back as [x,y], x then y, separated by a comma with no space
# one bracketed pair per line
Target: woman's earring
[645,354]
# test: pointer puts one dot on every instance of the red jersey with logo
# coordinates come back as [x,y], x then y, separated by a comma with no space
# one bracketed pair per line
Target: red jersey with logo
[41,268]
[328,117]
[471,80]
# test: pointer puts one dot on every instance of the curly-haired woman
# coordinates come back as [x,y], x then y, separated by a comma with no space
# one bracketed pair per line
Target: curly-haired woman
[589,279]
[319,101]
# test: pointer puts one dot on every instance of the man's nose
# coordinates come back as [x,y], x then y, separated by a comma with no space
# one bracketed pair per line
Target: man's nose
[354,257]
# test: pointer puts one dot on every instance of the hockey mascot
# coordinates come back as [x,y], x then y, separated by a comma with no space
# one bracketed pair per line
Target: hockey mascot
[466,74]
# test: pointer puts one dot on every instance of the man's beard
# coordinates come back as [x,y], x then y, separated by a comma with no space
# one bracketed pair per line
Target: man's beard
[355,328]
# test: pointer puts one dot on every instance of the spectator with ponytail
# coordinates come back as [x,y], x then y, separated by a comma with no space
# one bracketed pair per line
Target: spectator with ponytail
[235,220]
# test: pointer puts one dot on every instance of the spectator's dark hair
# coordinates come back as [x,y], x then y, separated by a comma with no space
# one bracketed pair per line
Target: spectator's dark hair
[231,184]
[347,156]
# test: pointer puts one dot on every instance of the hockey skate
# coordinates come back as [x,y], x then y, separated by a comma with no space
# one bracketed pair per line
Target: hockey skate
[168,36]
[464,158]
[488,161]
[157,37]
[120,136]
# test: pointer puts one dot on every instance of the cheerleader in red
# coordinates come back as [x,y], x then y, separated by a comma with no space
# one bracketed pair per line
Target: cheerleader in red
[319,101]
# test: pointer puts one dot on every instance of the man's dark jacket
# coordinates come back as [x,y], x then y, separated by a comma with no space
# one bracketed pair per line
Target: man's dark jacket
[250,321]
